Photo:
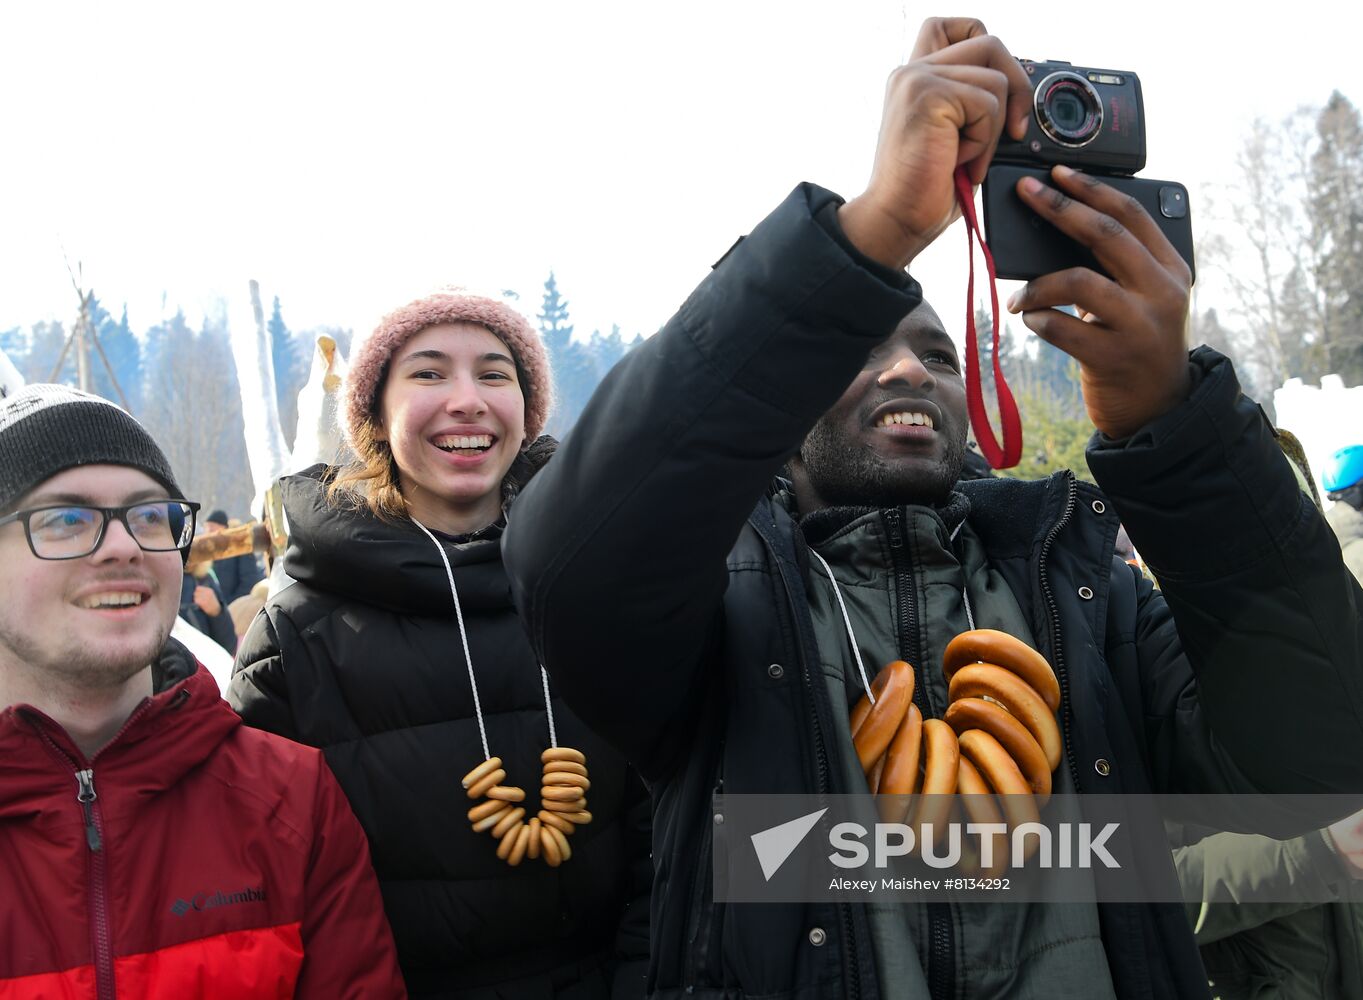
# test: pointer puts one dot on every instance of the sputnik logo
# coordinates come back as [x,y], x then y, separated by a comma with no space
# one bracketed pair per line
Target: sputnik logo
[776,844]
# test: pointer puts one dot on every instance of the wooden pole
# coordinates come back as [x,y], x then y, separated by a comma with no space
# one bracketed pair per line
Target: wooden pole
[82,347]
[113,379]
[250,537]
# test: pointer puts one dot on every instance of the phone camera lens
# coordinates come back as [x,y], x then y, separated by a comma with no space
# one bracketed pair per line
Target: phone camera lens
[1069,109]
[1173,202]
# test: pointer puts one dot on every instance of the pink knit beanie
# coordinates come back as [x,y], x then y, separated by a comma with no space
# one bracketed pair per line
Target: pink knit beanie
[370,363]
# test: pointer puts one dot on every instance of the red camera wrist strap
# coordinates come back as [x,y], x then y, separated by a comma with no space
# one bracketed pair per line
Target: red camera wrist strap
[1003,456]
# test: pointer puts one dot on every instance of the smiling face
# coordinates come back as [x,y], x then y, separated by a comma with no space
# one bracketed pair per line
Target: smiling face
[897,435]
[95,622]
[453,414]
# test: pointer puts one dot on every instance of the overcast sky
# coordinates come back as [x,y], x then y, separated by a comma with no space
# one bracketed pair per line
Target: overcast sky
[351,156]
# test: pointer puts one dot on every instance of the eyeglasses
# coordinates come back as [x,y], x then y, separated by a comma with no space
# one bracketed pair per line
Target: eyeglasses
[67,532]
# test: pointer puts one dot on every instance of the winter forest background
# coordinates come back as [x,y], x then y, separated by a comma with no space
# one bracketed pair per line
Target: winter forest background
[1280,289]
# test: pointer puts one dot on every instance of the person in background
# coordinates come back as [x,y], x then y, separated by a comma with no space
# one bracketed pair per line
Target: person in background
[1293,947]
[150,844]
[244,609]
[1290,948]
[236,574]
[203,606]
[1343,482]
[1127,553]
[398,651]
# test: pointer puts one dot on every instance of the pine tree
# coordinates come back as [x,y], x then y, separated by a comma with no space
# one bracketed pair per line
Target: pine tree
[1012,360]
[45,347]
[1335,200]
[193,409]
[1298,309]
[167,408]
[554,323]
[606,351]
[1052,437]
[14,343]
[162,341]
[1058,378]
[575,376]
[1045,384]
[124,353]
[1298,206]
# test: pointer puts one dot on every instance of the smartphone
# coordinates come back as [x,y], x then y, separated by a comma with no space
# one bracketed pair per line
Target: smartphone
[1025,246]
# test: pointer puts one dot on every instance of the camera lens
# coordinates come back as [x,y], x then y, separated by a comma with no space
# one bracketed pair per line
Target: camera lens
[1066,110]
[1069,109]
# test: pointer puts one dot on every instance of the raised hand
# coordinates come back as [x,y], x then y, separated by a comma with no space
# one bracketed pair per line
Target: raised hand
[947,106]
[207,601]
[1347,835]
[1130,337]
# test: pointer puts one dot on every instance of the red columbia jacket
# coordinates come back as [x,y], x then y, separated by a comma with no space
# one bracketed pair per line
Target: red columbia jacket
[191,858]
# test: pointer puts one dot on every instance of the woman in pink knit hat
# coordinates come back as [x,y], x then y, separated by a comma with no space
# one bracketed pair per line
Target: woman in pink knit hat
[511,843]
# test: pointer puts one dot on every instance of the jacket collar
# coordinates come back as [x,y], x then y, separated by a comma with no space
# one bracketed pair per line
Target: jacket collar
[346,550]
[175,664]
[167,735]
[996,507]
[823,524]
[1012,516]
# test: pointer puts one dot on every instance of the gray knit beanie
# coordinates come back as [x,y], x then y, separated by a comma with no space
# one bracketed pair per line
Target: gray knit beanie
[47,429]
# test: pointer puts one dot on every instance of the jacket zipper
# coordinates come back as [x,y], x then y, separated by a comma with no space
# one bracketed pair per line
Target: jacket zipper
[95,865]
[99,888]
[105,987]
[941,970]
[908,605]
[695,888]
[850,963]
[85,782]
[1053,614]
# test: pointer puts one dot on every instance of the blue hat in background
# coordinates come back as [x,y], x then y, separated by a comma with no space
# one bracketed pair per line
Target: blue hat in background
[1344,469]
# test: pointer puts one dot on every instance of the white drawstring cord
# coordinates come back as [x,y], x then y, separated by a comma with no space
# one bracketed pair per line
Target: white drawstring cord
[969,613]
[468,659]
[548,709]
[847,621]
[463,634]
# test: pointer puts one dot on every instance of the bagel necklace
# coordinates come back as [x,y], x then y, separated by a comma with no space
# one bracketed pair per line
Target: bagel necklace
[563,784]
[999,735]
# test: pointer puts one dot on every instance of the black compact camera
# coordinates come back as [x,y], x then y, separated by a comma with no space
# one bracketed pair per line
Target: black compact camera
[1089,119]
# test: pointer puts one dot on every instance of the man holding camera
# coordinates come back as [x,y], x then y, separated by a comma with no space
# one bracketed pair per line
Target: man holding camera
[684,600]
[150,844]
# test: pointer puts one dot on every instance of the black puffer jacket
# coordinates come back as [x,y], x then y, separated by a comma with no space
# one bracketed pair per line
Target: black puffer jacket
[362,657]
[1258,630]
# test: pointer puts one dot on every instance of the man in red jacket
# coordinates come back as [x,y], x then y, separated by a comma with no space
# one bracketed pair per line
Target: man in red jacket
[150,845]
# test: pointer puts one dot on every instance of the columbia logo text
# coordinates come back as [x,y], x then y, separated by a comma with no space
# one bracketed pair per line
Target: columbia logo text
[213,900]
